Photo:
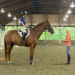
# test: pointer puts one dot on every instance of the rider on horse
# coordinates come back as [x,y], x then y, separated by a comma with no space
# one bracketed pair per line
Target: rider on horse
[23,25]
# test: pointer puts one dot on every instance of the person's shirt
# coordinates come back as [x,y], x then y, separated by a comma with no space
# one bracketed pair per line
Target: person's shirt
[22,20]
[68,43]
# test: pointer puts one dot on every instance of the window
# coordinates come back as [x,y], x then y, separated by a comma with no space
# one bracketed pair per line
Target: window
[54,36]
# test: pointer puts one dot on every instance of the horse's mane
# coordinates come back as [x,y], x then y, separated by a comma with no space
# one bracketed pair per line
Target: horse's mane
[39,24]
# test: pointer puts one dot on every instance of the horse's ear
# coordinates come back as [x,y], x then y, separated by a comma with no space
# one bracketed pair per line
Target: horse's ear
[46,20]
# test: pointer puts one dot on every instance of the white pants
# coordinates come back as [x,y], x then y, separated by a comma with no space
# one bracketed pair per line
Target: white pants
[23,29]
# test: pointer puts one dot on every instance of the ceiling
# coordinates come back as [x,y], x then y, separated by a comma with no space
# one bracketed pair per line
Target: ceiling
[33,7]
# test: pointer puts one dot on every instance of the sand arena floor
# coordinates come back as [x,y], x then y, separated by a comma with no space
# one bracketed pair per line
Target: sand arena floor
[49,60]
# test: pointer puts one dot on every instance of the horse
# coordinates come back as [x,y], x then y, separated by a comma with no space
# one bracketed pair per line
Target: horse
[12,37]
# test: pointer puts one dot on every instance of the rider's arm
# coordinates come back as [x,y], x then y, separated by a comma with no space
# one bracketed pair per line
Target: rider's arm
[23,24]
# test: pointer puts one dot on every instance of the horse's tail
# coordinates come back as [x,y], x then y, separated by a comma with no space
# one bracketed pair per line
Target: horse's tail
[5,48]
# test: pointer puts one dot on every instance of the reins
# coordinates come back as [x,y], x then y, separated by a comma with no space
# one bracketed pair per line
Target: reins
[37,30]
[41,31]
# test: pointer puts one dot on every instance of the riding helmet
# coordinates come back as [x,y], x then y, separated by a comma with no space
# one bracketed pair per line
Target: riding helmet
[23,12]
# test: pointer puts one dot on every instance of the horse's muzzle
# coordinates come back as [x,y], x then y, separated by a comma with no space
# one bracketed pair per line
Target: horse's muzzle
[52,32]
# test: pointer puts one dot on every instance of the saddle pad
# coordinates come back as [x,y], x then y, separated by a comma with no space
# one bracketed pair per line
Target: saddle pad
[20,33]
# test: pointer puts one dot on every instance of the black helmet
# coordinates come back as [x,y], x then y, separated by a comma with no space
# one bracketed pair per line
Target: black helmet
[23,12]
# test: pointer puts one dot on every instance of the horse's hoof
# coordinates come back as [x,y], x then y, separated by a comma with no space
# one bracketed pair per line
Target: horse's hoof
[31,63]
[9,62]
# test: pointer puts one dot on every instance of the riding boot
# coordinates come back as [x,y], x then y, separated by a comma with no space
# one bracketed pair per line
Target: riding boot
[68,61]
[23,38]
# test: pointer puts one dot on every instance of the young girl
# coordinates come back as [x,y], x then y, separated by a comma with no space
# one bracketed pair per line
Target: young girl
[68,44]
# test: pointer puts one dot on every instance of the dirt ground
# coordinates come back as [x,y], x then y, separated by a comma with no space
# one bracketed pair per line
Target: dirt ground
[49,60]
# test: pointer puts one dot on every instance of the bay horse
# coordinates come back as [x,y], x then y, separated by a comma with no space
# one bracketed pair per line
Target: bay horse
[12,37]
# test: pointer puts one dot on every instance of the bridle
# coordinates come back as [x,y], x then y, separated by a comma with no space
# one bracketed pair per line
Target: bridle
[48,25]
[40,31]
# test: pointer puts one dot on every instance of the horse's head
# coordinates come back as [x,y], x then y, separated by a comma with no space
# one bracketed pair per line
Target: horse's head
[49,26]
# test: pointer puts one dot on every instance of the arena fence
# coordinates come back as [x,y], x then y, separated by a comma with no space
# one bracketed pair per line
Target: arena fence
[46,42]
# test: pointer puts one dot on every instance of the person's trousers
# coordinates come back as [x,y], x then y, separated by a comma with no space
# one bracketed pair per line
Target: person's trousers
[23,29]
[68,53]
[68,49]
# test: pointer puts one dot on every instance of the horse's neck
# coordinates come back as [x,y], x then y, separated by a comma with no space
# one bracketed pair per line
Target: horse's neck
[39,30]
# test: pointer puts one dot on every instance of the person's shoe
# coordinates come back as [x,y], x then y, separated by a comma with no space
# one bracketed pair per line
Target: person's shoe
[67,63]
[32,63]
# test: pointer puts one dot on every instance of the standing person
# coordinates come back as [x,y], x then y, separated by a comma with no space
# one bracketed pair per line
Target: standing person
[68,44]
[23,25]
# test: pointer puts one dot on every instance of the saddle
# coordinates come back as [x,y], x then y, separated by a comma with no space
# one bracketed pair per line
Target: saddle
[23,32]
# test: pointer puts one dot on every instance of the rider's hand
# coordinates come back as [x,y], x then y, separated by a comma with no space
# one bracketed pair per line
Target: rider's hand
[27,26]
[24,26]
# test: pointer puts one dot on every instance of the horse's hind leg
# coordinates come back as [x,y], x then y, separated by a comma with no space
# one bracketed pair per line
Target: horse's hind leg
[8,51]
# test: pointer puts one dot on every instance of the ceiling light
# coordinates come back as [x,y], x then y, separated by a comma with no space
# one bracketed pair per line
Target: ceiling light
[2,10]
[14,18]
[64,1]
[64,19]
[9,14]
[19,21]
[72,5]
[69,11]
[66,15]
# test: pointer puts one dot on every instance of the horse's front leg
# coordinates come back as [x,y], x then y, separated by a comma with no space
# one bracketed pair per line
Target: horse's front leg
[32,47]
